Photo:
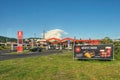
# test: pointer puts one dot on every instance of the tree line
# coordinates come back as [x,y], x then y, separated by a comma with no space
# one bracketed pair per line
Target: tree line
[4,39]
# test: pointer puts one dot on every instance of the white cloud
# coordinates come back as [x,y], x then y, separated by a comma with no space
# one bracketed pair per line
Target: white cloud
[56,33]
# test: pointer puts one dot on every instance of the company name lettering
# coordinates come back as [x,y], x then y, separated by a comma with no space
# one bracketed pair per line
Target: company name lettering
[93,47]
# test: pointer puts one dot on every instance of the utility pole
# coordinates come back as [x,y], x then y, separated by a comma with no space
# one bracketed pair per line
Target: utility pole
[43,34]
[35,39]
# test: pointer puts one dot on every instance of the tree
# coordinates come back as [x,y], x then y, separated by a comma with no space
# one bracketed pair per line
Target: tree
[5,39]
[106,40]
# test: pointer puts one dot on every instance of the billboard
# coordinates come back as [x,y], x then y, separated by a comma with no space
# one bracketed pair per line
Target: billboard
[103,52]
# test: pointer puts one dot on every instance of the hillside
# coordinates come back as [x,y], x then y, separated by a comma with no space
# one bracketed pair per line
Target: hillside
[4,39]
[8,39]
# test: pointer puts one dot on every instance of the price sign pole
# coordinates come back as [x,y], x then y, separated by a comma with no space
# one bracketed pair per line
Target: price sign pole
[20,41]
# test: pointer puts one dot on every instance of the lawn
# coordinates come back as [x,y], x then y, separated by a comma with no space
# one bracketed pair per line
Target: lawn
[58,67]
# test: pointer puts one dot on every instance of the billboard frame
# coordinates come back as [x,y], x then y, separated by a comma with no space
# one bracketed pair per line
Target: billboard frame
[80,53]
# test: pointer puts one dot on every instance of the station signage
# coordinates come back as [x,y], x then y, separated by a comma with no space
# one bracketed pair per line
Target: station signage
[20,41]
[103,52]
[20,34]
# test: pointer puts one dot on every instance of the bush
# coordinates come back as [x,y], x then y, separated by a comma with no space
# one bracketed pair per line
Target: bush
[116,44]
[4,48]
[1,48]
[117,50]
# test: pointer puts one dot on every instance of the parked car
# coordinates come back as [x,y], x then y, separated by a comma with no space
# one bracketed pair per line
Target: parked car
[36,49]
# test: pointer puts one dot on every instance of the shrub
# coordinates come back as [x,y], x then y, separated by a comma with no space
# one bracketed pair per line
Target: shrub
[117,50]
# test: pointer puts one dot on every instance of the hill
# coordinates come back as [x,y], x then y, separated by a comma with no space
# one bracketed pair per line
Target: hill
[7,39]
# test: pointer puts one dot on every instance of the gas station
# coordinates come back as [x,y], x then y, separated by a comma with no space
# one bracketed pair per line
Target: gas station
[82,48]
[54,43]
[65,43]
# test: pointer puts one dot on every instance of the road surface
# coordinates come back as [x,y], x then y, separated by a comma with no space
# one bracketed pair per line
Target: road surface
[6,56]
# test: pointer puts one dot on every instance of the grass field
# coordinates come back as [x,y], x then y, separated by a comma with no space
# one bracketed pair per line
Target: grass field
[58,67]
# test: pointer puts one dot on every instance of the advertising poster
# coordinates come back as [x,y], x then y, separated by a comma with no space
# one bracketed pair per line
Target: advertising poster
[103,52]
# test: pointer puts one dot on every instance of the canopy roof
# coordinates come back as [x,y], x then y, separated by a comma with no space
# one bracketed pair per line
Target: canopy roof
[58,40]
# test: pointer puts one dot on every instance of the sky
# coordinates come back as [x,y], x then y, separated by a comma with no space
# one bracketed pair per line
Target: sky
[84,19]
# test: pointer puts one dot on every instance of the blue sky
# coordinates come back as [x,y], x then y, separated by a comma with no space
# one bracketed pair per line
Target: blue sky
[81,18]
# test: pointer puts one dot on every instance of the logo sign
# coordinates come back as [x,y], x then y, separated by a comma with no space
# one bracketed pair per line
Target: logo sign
[103,52]
[77,49]
[20,34]
[19,48]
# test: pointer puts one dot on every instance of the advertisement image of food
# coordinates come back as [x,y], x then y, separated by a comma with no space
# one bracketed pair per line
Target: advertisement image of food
[87,55]
[105,53]
[108,51]
[92,53]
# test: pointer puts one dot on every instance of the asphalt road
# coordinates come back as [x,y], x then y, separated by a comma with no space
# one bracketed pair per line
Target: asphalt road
[6,56]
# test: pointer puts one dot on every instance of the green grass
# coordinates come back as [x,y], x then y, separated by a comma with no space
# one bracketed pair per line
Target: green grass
[58,67]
